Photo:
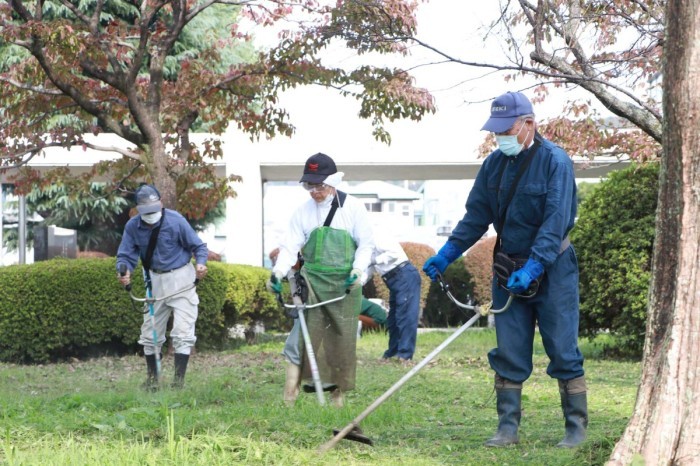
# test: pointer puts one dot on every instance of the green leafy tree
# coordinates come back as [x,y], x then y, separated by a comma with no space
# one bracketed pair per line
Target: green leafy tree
[98,218]
[94,215]
[151,72]
[615,298]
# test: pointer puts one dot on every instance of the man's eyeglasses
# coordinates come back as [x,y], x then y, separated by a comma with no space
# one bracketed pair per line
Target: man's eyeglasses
[313,187]
[510,131]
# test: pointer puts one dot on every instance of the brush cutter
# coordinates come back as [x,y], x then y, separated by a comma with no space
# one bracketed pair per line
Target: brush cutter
[352,431]
[299,295]
[149,301]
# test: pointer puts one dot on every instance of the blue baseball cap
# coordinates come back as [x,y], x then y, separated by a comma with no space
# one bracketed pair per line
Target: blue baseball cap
[505,109]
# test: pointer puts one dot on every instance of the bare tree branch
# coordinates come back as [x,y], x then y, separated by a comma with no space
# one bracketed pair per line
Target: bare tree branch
[645,118]
[34,150]
[85,103]
[119,150]
[29,87]
[107,77]
[32,154]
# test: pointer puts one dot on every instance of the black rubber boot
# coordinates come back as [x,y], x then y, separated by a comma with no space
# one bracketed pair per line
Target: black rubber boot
[181,361]
[574,405]
[508,396]
[151,383]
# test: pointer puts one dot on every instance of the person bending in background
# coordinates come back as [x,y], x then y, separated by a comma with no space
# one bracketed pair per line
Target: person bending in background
[372,316]
[403,280]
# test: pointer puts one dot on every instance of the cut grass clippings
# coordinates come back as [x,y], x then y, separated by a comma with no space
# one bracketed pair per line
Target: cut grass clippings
[231,411]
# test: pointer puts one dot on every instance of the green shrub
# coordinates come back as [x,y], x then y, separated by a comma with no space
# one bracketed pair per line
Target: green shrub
[614,238]
[211,327]
[583,190]
[60,307]
[50,307]
[440,311]
[417,254]
[247,299]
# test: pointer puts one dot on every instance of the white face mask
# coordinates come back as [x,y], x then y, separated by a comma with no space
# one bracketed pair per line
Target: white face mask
[152,218]
[326,200]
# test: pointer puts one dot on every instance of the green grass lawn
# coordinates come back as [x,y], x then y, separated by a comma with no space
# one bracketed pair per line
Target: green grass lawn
[231,411]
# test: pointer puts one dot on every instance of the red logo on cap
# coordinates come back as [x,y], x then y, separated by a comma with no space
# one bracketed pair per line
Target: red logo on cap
[313,167]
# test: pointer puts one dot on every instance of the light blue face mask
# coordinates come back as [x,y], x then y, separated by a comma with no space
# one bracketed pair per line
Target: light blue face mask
[509,144]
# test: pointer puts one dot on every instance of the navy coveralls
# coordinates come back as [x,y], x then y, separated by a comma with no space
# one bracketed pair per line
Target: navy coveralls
[404,305]
[538,220]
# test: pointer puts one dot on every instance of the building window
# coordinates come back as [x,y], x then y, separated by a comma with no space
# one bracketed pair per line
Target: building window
[373,206]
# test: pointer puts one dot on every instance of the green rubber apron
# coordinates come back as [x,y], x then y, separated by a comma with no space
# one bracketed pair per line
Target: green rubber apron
[328,257]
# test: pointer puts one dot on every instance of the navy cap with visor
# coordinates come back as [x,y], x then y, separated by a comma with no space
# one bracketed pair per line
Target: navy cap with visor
[505,110]
[317,168]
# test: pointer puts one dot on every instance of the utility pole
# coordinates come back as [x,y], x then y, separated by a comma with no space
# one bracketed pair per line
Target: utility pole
[22,229]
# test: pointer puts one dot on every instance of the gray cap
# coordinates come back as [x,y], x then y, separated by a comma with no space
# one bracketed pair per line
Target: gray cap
[148,199]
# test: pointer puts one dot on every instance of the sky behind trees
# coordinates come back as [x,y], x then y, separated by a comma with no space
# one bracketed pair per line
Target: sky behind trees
[463,94]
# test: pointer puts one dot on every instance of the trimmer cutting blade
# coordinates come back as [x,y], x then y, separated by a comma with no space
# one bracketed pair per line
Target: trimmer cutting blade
[311,389]
[356,435]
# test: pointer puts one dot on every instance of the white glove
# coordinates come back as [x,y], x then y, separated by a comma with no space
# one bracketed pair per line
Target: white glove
[353,280]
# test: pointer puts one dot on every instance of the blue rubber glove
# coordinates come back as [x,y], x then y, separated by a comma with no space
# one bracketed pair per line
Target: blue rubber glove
[439,262]
[353,279]
[520,280]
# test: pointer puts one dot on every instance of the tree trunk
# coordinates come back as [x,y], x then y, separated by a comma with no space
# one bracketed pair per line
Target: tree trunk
[665,426]
[161,177]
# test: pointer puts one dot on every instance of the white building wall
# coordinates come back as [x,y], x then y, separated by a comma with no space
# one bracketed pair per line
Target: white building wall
[244,216]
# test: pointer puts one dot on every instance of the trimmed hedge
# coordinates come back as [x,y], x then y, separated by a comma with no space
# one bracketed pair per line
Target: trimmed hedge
[614,239]
[479,263]
[62,307]
[440,311]
[247,300]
